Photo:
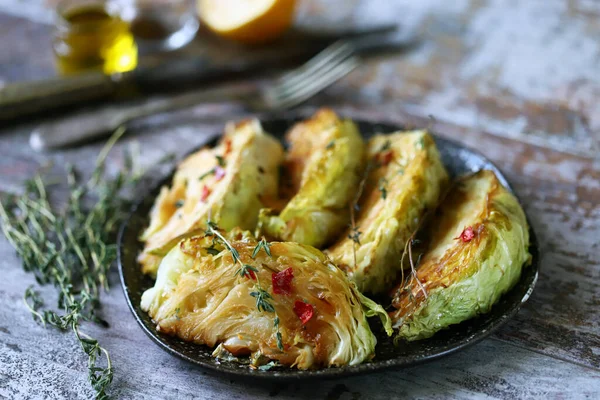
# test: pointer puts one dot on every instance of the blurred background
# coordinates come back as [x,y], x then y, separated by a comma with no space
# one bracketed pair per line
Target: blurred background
[522,69]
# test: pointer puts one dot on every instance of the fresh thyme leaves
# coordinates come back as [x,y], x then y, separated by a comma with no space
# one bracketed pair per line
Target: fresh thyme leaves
[268,365]
[217,171]
[207,173]
[383,188]
[263,298]
[213,230]
[330,145]
[386,145]
[263,244]
[247,271]
[34,302]
[72,249]
[355,235]
[278,335]
[354,232]
[213,251]
[179,203]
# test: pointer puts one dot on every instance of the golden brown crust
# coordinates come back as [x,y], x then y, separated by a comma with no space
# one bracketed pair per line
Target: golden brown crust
[469,204]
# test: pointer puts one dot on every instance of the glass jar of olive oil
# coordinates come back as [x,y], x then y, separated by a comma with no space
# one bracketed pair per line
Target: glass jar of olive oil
[93,35]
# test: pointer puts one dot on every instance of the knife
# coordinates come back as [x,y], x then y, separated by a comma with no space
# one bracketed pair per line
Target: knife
[26,98]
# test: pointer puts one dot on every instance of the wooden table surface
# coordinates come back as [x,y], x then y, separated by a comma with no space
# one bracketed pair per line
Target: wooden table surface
[517,80]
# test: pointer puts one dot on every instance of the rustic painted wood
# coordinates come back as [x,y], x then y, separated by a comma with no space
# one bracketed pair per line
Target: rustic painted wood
[517,80]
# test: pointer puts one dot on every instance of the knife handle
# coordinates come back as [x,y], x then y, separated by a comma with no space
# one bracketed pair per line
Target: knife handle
[22,98]
[96,122]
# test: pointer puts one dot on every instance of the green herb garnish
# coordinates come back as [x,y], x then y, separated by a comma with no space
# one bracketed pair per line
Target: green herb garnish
[263,298]
[383,188]
[247,271]
[263,244]
[72,249]
[386,145]
[354,232]
[207,173]
[278,335]
[212,250]
[268,365]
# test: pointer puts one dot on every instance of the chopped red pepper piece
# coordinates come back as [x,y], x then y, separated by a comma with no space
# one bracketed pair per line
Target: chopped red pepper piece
[467,234]
[282,282]
[304,311]
[386,157]
[250,274]
[219,173]
[205,193]
[227,147]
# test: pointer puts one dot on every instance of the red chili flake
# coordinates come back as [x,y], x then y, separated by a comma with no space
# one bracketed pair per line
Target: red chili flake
[467,234]
[227,146]
[205,193]
[282,282]
[251,274]
[386,157]
[219,173]
[304,311]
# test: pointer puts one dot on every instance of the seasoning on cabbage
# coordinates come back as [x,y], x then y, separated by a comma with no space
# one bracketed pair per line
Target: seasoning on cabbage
[322,169]
[230,182]
[274,302]
[404,178]
[477,245]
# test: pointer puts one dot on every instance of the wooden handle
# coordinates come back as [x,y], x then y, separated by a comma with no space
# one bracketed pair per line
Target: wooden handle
[24,98]
[97,122]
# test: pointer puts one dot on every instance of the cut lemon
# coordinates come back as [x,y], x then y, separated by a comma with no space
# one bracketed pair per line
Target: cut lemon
[247,21]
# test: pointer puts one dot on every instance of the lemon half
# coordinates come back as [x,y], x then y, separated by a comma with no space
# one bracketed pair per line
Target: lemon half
[247,21]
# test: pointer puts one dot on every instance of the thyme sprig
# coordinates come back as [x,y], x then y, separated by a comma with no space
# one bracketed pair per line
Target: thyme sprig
[263,298]
[354,230]
[408,250]
[221,164]
[72,249]
[386,146]
[383,188]
[263,244]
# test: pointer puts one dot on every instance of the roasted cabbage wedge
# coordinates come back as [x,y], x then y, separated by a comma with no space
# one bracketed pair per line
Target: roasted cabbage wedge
[477,244]
[282,302]
[230,183]
[405,178]
[323,165]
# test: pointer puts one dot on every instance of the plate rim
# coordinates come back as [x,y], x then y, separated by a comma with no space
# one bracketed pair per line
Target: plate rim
[332,372]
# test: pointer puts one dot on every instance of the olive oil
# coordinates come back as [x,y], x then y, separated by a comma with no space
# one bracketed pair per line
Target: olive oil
[93,36]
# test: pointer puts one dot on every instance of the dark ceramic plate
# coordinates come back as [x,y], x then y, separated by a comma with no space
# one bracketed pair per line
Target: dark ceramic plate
[458,160]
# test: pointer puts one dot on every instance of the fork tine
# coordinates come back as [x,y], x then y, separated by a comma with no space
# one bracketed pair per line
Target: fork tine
[332,54]
[294,84]
[290,99]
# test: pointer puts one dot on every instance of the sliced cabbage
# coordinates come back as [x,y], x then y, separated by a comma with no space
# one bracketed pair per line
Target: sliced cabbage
[230,183]
[323,164]
[477,245]
[405,179]
[200,296]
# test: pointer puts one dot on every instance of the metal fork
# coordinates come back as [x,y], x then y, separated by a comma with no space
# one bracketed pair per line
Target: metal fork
[288,91]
